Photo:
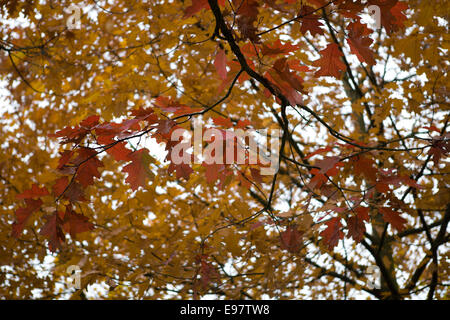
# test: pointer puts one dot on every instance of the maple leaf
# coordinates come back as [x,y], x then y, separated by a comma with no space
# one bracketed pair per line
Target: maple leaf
[114,148]
[433,128]
[221,64]
[310,21]
[88,165]
[224,122]
[183,170]
[247,14]
[318,179]
[364,166]
[287,81]
[350,8]
[145,72]
[34,192]
[356,228]
[77,133]
[146,114]
[121,130]
[216,171]
[387,178]
[391,14]
[362,213]
[197,5]
[73,192]
[23,214]
[53,231]
[169,105]
[333,233]
[277,48]
[66,155]
[207,271]
[330,62]
[328,167]
[242,124]
[318,151]
[291,239]
[249,50]
[74,223]
[90,122]
[327,164]
[359,43]
[139,168]
[393,218]
[164,129]
[440,147]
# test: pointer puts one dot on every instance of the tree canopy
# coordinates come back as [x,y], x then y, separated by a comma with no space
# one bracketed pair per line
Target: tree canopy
[93,93]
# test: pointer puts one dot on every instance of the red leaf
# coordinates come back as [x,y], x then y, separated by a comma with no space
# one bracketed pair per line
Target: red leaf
[310,21]
[364,166]
[256,175]
[224,122]
[359,43]
[23,214]
[288,82]
[393,218]
[333,233]
[164,128]
[318,151]
[216,171]
[249,50]
[77,133]
[145,114]
[242,124]
[73,193]
[362,213]
[76,223]
[197,5]
[53,231]
[183,170]
[439,148]
[382,187]
[88,165]
[356,228]
[247,15]
[277,48]
[34,192]
[392,17]
[122,129]
[117,151]
[330,62]
[66,155]
[433,128]
[90,122]
[221,64]
[291,239]
[207,271]
[327,164]
[318,180]
[139,168]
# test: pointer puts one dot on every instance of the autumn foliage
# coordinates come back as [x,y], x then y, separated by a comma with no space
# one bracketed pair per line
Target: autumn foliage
[88,164]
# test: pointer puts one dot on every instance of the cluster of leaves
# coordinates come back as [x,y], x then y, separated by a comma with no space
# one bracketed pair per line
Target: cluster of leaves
[354,146]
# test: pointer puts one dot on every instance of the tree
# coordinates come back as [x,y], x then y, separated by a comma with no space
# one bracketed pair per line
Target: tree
[358,205]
